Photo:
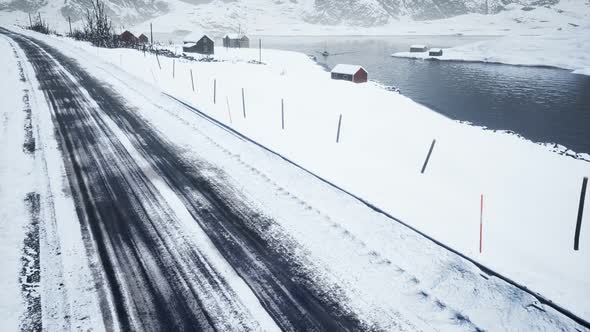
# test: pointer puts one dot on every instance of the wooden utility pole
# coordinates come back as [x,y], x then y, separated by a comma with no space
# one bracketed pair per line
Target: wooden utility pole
[70,22]
[30,20]
[151,35]
[260,50]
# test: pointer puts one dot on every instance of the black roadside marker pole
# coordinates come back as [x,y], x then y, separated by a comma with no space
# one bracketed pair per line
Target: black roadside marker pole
[282,114]
[243,103]
[192,81]
[580,214]
[338,132]
[428,156]
[214,91]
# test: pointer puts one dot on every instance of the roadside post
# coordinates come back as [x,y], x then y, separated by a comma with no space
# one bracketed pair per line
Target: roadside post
[282,113]
[580,214]
[428,156]
[481,224]
[243,103]
[338,131]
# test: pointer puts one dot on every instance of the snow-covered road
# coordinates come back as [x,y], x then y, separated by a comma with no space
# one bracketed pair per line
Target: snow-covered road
[219,234]
[136,196]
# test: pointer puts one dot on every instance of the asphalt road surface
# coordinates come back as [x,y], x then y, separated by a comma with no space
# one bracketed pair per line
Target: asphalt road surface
[155,273]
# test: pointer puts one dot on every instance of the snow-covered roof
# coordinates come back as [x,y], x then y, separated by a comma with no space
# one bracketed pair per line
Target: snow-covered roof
[435,50]
[418,46]
[234,36]
[189,44]
[195,36]
[347,69]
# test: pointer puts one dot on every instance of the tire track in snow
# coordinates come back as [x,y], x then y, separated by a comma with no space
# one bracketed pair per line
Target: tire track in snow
[158,279]
[281,284]
[285,293]
[30,276]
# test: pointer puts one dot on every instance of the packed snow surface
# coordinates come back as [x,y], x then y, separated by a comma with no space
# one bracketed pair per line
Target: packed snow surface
[530,193]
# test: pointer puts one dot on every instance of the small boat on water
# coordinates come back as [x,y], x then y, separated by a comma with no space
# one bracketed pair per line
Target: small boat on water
[392,88]
[325,53]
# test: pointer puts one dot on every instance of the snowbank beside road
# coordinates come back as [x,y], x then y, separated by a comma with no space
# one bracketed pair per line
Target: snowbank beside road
[15,183]
[531,193]
[567,50]
[45,274]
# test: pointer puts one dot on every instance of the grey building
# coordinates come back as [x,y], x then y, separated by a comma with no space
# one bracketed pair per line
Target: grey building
[236,41]
[204,45]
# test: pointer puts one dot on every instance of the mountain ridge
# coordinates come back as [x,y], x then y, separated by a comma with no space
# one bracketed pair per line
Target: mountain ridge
[365,13]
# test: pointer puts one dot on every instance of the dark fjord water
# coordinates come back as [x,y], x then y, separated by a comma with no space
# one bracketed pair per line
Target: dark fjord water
[542,104]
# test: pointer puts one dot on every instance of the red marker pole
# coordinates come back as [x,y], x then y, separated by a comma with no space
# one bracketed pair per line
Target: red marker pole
[480,223]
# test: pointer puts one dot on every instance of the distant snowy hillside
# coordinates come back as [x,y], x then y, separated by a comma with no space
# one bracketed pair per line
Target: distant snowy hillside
[120,10]
[378,12]
[224,13]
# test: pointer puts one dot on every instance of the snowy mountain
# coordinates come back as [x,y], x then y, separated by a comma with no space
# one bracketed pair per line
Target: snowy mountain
[364,13]
[378,12]
[120,10]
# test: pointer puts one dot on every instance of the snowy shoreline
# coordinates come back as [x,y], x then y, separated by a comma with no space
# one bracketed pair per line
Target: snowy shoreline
[416,56]
[561,50]
[408,55]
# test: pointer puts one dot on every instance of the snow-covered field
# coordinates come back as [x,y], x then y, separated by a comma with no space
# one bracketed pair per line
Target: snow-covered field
[567,50]
[530,193]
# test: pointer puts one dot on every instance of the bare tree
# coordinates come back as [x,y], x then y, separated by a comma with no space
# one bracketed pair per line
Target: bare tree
[98,27]
[39,25]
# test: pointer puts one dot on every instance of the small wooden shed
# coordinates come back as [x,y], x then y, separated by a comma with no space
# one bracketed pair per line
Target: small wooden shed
[435,52]
[128,38]
[418,48]
[204,45]
[236,41]
[353,73]
[143,39]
